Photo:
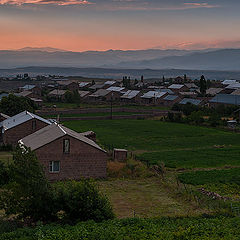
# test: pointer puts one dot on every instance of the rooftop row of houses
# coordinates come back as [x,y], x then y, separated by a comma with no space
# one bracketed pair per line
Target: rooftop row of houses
[64,153]
[166,95]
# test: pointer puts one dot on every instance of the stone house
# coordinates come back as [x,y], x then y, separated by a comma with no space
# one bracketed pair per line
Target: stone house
[66,154]
[23,124]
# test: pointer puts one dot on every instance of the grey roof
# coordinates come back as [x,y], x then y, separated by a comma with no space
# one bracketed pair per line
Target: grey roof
[190,100]
[4,115]
[153,94]
[100,93]
[213,91]
[52,132]
[191,85]
[130,94]
[109,82]
[19,119]
[166,90]
[97,86]
[228,82]
[233,86]
[57,92]
[115,89]
[23,94]
[170,97]
[83,84]
[28,87]
[226,99]
[176,86]
[83,93]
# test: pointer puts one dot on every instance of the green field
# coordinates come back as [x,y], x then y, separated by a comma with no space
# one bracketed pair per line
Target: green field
[209,177]
[194,158]
[93,114]
[154,135]
[212,228]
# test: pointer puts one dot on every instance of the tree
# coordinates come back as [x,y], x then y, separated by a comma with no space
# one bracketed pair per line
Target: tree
[203,85]
[28,193]
[12,105]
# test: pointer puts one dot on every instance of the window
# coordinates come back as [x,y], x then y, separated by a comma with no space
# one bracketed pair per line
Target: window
[54,166]
[34,124]
[66,146]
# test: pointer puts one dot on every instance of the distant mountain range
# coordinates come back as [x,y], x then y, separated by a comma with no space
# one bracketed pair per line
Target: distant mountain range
[119,73]
[209,59]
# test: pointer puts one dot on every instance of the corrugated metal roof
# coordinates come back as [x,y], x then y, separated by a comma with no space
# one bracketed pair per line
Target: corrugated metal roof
[28,87]
[213,91]
[176,86]
[115,89]
[153,94]
[57,92]
[100,93]
[130,94]
[228,82]
[52,132]
[226,99]
[170,97]
[233,86]
[83,93]
[190,100]
[109,82]
[19,119]
[84,84]
[23,94]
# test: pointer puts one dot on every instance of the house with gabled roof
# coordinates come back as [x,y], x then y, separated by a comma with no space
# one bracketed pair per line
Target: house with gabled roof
[66,154]
[14,128]
[131,96]
[178,88]
[153,97]
[170,100]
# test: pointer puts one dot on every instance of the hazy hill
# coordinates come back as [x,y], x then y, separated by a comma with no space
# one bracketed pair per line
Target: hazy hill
[224,59]
[56,57]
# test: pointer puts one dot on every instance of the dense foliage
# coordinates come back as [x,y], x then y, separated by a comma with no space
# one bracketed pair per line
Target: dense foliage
[29,195]
[208,228]
[4,174]
[12,105]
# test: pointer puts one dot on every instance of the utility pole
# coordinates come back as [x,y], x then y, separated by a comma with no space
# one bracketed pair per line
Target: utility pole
[111,104]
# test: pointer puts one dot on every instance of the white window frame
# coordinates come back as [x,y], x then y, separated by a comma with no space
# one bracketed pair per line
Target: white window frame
[51,167]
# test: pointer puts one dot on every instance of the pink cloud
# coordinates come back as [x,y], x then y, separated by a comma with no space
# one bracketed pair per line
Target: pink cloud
[53,2]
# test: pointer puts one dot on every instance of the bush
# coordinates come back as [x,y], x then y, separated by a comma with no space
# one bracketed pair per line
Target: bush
[29,195]
[81,201]
[4,174]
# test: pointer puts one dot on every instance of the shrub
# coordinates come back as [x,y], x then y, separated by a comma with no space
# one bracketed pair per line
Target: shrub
[81,201]
[4,174]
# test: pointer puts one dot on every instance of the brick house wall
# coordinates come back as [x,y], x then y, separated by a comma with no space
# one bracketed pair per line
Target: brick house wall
[13,135]
[82,161]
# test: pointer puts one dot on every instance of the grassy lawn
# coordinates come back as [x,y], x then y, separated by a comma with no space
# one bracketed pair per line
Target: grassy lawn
[153,135]
[104,105]
[194,158]
[144,197]
[93,114]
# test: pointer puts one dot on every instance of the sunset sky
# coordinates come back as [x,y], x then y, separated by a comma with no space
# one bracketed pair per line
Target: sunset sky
[80,25]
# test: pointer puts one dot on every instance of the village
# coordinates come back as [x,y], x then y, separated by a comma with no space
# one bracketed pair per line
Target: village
[145,144]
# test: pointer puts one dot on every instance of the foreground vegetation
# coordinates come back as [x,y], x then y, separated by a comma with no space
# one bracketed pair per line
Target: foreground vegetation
[208,228]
